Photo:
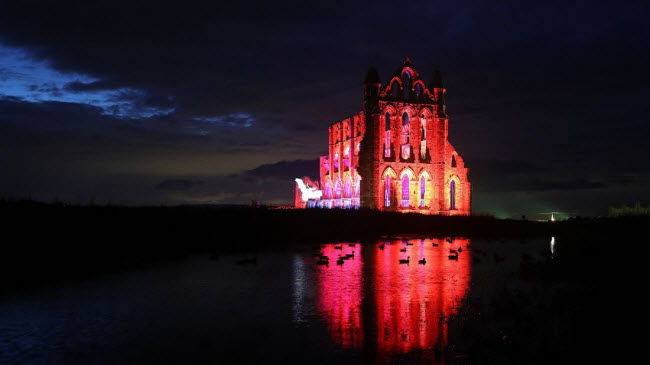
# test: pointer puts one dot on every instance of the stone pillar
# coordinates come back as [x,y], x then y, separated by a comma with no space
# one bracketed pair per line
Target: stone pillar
[369,162]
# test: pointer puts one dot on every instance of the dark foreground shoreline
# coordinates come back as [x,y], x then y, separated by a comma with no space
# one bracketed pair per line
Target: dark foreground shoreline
[574,304]
[43,242]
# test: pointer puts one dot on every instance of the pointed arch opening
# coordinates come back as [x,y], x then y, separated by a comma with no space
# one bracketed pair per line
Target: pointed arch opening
[406,136]
[423,191]
[387,190]
[452,195]
[327,194]
[407,85]
[406,191]
[347,193]
[387,135]
[394,89]
[423,138]
[337,193]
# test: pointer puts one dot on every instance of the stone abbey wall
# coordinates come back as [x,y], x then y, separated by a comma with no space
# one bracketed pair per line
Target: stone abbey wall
[395,154]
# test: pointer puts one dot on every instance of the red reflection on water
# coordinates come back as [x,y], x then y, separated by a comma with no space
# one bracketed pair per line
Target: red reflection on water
[409,299]
[339,298]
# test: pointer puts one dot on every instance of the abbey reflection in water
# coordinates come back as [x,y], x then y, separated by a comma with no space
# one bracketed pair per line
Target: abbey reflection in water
[372,300]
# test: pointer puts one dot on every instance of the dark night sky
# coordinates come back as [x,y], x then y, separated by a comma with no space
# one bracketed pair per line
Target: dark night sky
[138,103]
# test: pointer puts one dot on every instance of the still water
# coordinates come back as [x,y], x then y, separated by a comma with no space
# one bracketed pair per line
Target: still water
[283,307]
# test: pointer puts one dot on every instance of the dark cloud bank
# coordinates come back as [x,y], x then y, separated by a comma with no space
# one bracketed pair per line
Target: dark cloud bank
[548,101]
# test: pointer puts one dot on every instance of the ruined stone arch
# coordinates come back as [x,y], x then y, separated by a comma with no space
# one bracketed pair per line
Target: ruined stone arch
[408,171]
[424,189]
[397,79]
[406,188]
[388,193]
[347,188]
[425,112]
[390,109]
[407,114]
[458,190]
[421,84]
[338,189]
[412,113]
[407,83]
[410,70]
[395,87]
[327,188]
[425,173]
[347,128]
[389,170]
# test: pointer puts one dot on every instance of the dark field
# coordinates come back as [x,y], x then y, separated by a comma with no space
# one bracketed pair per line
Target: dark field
[66,240]
[573,303]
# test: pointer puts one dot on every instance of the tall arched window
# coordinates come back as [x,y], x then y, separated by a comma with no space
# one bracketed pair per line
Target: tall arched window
[328,190]
[418,91]
[453,160]
[423,138]
[387,135]
[394,89]
[407,85]
[337,190]
[406,131]
[452,195]
[347,189]
[328,194]
[387,191]
[423,190]
[423,135]
[405,190]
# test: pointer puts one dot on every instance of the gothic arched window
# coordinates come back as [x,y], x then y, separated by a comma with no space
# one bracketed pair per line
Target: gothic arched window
[387,191]
[407,85]
[453,161]
[406,132]
[328,190]
[418,91]
[394,89]
[347,189]
[387,135]
[452,195]
[423,190]
[337,190]
[405,190]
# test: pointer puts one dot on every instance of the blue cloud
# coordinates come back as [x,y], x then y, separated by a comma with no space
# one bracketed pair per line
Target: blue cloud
[241,120]
[32,80]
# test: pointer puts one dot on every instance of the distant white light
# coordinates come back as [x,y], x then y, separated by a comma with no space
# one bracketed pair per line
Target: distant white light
[307,192]
[552,246]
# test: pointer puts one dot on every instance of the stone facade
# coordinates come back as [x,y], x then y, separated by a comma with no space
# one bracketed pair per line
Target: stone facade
[395,154]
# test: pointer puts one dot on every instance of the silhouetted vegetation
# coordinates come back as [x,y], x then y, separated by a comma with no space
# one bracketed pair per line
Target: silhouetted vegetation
[625,210]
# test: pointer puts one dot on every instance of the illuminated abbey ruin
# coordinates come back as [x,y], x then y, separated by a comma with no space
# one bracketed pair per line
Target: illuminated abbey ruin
[394,155]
